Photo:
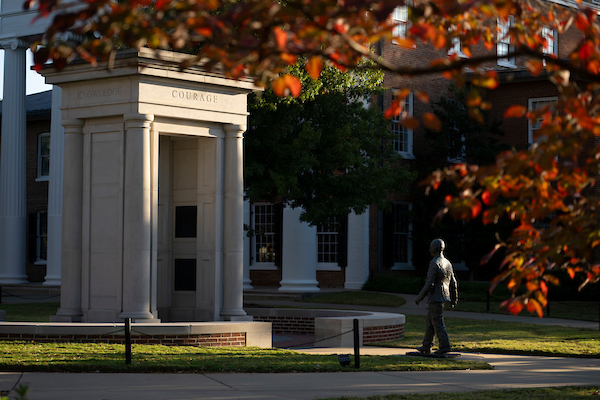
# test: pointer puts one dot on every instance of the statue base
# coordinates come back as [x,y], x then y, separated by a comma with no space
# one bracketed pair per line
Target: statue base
[433,355]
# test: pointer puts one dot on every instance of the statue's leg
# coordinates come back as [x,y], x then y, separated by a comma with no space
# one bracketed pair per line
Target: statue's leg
[429,330]
[440,328]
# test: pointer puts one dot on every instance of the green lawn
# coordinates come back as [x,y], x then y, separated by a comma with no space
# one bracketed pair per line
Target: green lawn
[555,393]
[29,312]
[578,310]
[471,335]
[355,297]
[78,357]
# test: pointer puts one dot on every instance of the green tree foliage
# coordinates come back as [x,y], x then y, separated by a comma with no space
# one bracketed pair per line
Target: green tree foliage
[326,150]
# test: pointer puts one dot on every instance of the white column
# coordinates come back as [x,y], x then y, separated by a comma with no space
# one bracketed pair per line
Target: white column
[137,219]
[72,206]
[299,254]
[55,188]
[247,244]
[357,270]
[233,225]
[13,207]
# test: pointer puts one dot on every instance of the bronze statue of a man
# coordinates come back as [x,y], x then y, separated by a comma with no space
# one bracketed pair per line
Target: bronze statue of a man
[441,286]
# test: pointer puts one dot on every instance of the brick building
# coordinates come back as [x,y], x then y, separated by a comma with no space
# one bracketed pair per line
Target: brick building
[38,108]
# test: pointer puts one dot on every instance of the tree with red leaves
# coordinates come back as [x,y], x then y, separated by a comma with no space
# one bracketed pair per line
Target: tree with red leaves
[553,181]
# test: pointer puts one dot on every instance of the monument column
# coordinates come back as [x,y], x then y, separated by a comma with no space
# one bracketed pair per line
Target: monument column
[299,254]
[13,206]
[72,205]
[247,248]
[137,219]
[233,225]
[55,188]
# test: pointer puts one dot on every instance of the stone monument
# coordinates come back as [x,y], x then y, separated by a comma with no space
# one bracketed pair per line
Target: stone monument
[152,191]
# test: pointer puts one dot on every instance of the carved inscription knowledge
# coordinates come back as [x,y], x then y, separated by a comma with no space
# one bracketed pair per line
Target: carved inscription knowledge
[97,93]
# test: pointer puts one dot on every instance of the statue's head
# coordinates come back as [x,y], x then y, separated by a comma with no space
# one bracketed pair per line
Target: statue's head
[437,246]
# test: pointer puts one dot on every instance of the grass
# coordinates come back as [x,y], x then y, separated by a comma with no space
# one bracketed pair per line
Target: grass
[578,310]
[481,336]
[101,357]
[554,393]
[29,312]
[354,297]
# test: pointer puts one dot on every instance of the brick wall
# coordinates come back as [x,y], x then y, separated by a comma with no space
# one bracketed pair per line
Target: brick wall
[265,277]
[291,325]
[37,193]
[331,279]
[383,333]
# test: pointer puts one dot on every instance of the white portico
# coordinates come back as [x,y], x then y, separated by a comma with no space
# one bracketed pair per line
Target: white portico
[152,216]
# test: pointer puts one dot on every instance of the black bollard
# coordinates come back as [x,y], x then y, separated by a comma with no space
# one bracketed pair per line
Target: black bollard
[356,345]
[127,340]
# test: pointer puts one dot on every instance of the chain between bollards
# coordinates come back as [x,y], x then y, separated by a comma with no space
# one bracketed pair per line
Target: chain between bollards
[128,341]
[356,345]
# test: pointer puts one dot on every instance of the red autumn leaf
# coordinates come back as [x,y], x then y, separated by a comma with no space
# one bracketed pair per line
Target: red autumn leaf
[514,306]
[422,96]
[410,123]
[406,43]
[536,67]
[279,86]
[314,66]
[432,122]
[475,208]
[394,110]
[515,112]
[293,84]
[544,288]
[586,50]
[582,21]
[487,198]
[281,37]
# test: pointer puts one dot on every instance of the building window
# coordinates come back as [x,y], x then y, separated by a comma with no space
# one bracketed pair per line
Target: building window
[400,19]
[185,274]
[185,221]
[403,137]
[402,230]
[503,44]
[41,237]
[457,48]
[43,173]
[536,104]
[328,242]
[263,224]
[551,41]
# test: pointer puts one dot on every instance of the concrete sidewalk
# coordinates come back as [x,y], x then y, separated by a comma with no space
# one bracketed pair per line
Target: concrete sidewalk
[509,372]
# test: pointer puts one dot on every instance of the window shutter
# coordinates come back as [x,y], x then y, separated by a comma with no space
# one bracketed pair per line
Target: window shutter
[250,226]
[278,209]
[343,241]
[31,237]
[388,240]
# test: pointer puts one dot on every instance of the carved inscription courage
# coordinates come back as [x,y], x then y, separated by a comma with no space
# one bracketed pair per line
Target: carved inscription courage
[96,93]
[194,96]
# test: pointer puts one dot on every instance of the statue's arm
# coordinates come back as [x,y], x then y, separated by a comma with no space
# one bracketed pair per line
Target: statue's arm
[429,283]
[453,290]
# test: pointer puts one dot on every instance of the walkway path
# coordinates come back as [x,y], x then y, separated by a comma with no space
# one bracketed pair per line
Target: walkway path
[509,372]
